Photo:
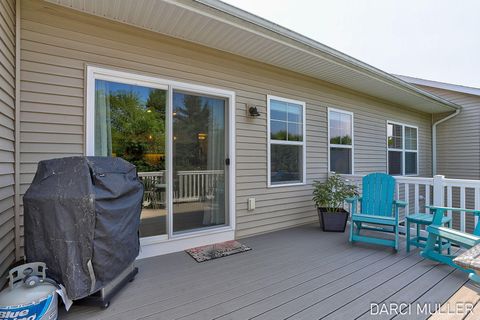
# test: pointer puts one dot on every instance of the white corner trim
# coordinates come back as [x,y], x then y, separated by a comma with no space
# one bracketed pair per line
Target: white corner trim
[17,133]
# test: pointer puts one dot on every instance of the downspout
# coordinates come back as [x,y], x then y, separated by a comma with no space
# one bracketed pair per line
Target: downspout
[18,251]
[434,139]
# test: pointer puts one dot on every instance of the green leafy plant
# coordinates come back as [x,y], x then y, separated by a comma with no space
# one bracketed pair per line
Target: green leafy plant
[332,193]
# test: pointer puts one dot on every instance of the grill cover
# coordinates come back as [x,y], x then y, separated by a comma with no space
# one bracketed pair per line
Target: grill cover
[82,216]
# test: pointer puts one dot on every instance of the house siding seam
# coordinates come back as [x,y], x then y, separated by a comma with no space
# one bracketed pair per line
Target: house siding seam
[58,43]
[7,136]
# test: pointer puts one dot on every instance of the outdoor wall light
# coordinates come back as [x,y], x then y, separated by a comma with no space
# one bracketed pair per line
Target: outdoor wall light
[252,111]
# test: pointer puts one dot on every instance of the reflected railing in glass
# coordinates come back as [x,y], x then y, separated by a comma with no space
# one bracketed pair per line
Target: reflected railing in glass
[191,186]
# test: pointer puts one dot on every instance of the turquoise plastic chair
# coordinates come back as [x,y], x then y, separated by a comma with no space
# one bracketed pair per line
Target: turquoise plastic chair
[378,210]
[436,232]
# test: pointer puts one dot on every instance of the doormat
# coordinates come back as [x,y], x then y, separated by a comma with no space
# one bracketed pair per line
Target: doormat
[217,250]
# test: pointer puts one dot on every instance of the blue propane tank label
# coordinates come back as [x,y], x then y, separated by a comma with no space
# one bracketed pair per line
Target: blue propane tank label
[44,309]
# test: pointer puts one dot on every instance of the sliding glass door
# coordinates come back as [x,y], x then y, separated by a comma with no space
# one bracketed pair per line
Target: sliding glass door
[130,123]
[178,140]
[199,156]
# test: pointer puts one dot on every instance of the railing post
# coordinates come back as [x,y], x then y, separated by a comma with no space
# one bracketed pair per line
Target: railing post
[438,191]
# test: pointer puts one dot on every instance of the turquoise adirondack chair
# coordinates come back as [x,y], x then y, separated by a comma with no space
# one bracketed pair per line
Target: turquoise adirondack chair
[378,210]
[437,231]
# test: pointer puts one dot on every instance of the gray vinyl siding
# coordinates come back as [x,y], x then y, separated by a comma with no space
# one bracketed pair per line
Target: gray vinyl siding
[7,134]
[458,139]
[57,45]
[458,145]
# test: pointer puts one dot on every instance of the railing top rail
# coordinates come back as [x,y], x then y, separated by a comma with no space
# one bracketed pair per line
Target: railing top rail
[401,179]
[425,180]
[151,174]
[462,183]
[200,172]
[477,212]
[162,173]
[421,180]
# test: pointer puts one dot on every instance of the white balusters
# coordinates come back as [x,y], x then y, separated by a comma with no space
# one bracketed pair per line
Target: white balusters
[195,185]
[477,203]
[427,197]
[462,205]
[407,198]
[449,200]
[417,197]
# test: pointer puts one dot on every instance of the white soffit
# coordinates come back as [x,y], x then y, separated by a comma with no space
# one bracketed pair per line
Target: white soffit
[218,25]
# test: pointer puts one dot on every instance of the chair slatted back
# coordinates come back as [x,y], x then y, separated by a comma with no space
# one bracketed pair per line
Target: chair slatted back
[378,194]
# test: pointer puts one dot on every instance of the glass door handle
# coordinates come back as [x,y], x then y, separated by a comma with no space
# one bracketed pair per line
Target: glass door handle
[227,161]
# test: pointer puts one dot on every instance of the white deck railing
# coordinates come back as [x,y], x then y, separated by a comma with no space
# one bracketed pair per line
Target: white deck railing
[196,185]
[189,186]
[440,191]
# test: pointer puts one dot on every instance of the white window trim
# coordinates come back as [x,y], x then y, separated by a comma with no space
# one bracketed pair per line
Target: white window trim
[352,146]
[130,77]
[403,150]
[298,143]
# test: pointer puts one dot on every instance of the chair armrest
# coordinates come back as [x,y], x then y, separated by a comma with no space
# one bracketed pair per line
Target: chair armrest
[353,203]
[351,199]
[438,213]
[396,205]
[400,203]
[475,212]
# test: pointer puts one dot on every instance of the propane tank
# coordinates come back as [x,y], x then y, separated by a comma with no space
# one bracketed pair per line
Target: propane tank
[30,295]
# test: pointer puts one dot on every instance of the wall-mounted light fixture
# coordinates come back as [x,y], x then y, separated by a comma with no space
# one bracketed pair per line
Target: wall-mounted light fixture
[202,136]
[252,111]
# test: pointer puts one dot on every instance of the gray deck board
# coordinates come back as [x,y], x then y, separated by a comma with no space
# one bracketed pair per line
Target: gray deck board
[308,305]
[440,292]
[302,273]
[383,291]
[414,290]
[250,304]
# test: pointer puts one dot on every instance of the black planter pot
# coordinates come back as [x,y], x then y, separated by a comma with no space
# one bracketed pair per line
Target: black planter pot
[333,221]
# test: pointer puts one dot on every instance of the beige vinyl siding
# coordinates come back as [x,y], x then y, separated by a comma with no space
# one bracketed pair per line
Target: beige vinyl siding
[57,44]
[7,136]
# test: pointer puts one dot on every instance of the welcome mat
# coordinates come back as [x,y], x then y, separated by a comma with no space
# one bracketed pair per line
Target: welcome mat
[217,250]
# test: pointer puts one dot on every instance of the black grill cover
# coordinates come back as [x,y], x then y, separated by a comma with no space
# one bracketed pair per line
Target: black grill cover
[82,214]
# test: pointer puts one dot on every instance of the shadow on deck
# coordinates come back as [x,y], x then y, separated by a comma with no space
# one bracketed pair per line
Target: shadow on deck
[299,273]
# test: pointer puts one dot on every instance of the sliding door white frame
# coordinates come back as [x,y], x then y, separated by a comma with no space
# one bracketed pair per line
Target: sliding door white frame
[170,242]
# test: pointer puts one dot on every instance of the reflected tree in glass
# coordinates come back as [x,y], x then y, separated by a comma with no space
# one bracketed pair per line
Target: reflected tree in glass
[138,130]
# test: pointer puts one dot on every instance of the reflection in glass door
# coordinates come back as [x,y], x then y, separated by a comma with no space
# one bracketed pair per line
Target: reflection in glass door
[130,123]
[199,154]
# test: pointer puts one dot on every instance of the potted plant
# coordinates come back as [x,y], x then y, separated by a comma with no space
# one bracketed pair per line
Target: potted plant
[329,197]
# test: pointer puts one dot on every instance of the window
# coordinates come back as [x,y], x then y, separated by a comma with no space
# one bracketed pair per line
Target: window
[402,144]
[340,141]
[286,141]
